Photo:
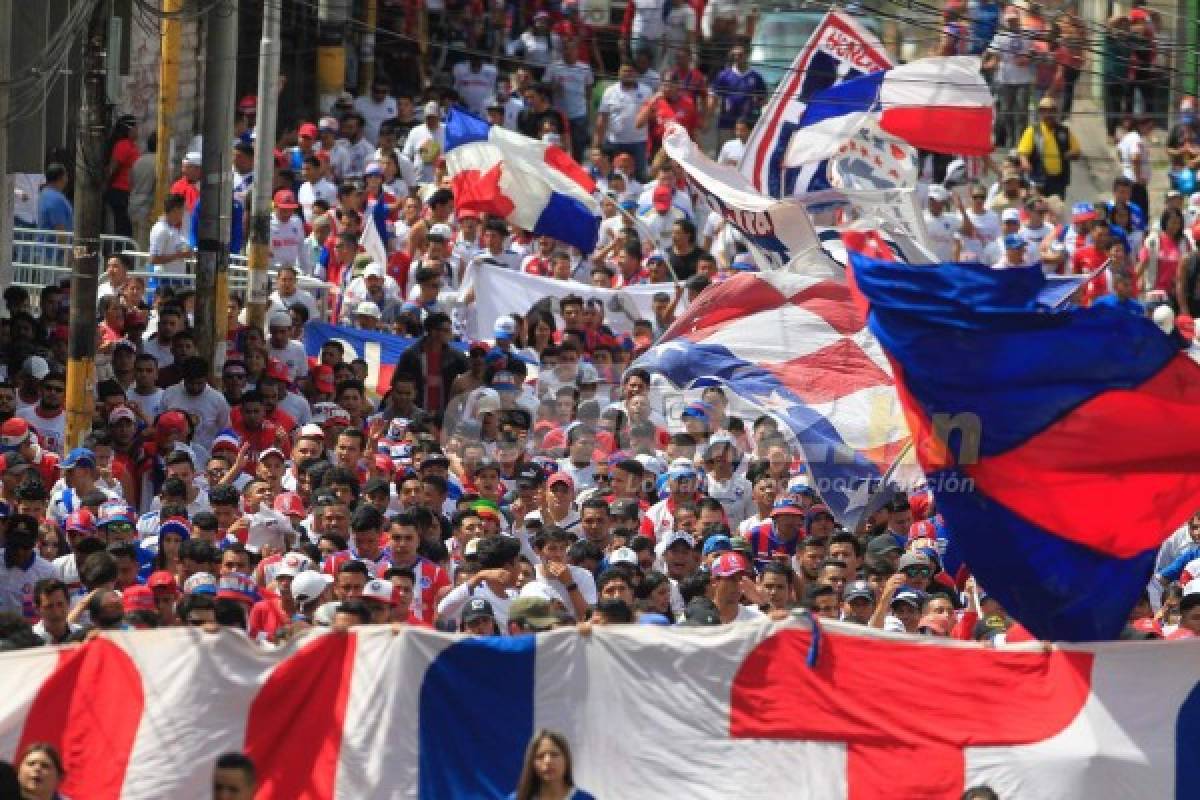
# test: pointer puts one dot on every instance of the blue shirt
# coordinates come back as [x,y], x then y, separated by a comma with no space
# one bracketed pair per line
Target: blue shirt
[54,210]
[739,93]
[1129,304]
[985,18]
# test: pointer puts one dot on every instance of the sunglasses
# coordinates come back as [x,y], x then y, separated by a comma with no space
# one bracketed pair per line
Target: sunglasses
[918,572]
[119,527]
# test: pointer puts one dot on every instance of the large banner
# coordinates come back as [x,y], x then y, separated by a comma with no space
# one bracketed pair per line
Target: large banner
[839,49]
[755,709]
[380,350]
[500,291]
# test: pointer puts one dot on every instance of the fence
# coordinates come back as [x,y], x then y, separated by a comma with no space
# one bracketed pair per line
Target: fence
[43,258]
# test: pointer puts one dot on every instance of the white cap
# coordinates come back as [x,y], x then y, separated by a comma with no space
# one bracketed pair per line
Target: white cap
[368,309]
[1010,215]
[293,564]
[378,589]
[622,555]
[432,109]
[279,319]
[36,366]
[271,451]
[374,270]
[192,159]
[541,591]
[671,538]
[443,230]
[1164,318]
[312,431]
[939,193]
[487,401]
[308,585]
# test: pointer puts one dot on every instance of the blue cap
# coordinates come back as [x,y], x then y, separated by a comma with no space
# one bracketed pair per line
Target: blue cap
[697,410]
[1014,241]
[79,457]
[786,505]
[908,595]
[374,168]
[717,544]
[650,618]
[173,526]
[743,263]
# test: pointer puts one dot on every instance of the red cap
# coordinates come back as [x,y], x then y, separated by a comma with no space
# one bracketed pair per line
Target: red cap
[289,503]
[248,104]
[278,370]
[560,477]
[322,378]
[162,579]
[81,520]
[1147,625]
[922,529]
[172,422]
[308,129]
[285,198]
[662,197]
[14,432]
[137,598]
[467,213]
[385,464]
[728,565]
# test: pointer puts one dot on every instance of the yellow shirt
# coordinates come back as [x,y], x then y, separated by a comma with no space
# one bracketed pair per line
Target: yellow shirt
[1052,162]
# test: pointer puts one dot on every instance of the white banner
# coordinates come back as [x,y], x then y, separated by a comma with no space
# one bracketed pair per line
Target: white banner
[500,291]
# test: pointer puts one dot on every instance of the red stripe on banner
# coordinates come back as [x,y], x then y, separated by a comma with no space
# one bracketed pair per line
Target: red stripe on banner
[908,743]
[560,160]
[958,130]
[384,383]
[294,729]
[835,371]
[480,191]
[722,303]
[1072,477]
[90,708]
[834,303]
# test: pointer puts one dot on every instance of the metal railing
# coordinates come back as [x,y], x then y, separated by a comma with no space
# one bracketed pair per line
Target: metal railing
[43,258]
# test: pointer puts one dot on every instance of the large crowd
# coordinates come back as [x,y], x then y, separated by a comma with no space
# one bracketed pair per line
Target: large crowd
[531,479]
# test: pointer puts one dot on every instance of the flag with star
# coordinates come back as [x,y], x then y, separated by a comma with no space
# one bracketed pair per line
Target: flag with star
[796,346]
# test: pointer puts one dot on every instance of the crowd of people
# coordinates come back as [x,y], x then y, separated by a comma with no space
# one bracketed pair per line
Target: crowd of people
[531,479]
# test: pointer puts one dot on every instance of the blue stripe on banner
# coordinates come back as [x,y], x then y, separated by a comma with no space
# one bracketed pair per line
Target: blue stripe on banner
[476,717]
[570,221]
[850,97]
[463,127]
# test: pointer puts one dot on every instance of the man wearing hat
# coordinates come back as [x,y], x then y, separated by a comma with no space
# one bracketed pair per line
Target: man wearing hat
[780,535]
[943,227]
[284,348]
[426,141]
[1014,252]
[287,230]
[21,567]
[1047,149]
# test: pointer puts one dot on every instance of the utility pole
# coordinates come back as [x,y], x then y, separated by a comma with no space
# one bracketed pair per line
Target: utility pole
[366,72]
[212,265]
[264,165]
[168,94]
[89,218]
[6,186]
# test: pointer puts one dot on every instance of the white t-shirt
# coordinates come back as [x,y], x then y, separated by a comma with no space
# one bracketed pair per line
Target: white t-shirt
[349,159]
[622,105]
[51,431]
[748,613]
[294,358]
[1134,157]
[1034,237]
[150,403]
[417,137]
[375,114]
[286,239]
[942,232]
[167,240]
[452,604]
[1015,66]
[16,585]
[732,152]
[474,87]
[648,22]
[582,578]
[301,297]
[572,84]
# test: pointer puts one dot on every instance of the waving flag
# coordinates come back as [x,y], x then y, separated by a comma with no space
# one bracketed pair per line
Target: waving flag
[375,234]
[1062,445]
[840,49]
[738,711]
[776,231]
[534,185]
[939,104]
[795,346]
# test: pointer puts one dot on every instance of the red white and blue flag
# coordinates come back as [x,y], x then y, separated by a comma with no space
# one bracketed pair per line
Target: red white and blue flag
[1062,444]
[796,346]
[534,185]
[738,711]
[938,104]
[840,49]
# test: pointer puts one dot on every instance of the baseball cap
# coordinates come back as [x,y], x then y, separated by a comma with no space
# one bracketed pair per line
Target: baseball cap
[81,520]
[786,505]
[729,564]
[286,198]
[681,468]
[1010,215]
[200,583]
[137,598]
[443,230]
[505,328]
[238,586]
[701,612]
[79,457]
[939,193]
[882,544]
[307,129]
[308,585]
[373,168]
[622,555]
[36,366]
[114,511]
[910,596]
[122,412]
[176,526]
[1014,241]
[344,99]
[432,109]
[289,503]
[192,159]
[328,124]
[717,544]
[13,433]
[673,538]
[367,309]
[530,476]
[279,319]
[532,612]
[293,564]
[560,477]
[161,579]
[480,608]
[271,451]
[322,380]
[1083,212]
[248,103]
[913,560]
[374,270]
[857,589]
[380,590]
[662,197]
